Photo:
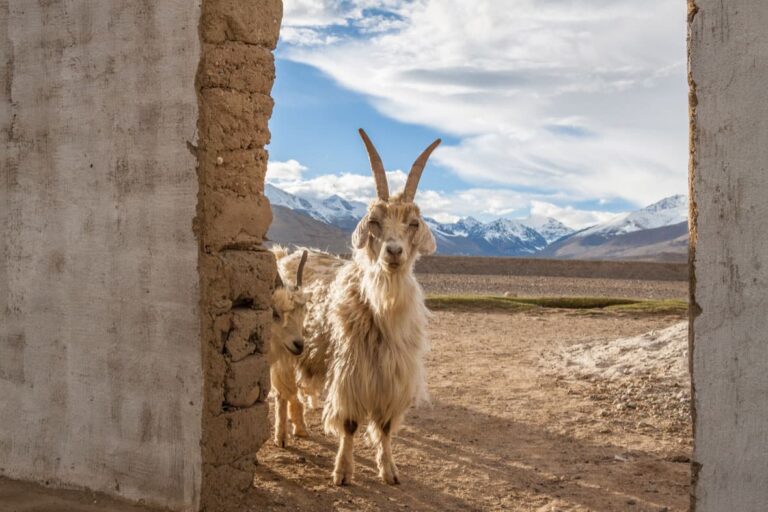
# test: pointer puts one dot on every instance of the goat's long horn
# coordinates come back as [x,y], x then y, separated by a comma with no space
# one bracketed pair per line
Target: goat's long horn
[300,272]
[382,188]
[416,169]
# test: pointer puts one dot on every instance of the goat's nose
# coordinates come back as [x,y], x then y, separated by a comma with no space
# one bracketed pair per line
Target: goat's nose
[394,250]
[299,345]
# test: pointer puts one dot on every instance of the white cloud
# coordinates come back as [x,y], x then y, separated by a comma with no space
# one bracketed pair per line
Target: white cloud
[323,13]
[290,170]
[585,98]
[571,217]
[482,203]
[302,36]
[352,187]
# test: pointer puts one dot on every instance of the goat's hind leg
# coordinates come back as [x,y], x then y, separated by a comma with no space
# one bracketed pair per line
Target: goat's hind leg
[384,460]
[345,462]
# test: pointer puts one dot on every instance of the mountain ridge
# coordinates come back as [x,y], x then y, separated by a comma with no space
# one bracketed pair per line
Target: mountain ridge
[661,233]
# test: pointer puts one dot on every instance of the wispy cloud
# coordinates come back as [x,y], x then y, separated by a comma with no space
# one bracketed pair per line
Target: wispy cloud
[583,99]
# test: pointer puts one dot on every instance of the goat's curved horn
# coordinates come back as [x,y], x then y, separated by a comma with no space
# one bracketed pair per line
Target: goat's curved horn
[278,281]
[300,272]
[416,169]
[379,175]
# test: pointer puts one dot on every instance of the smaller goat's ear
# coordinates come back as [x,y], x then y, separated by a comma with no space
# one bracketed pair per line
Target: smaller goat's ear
[360,235]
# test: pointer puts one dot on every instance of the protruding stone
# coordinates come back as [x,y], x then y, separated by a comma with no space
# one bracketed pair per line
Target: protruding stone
[240,172]
[243,332]
[244,278]
[238,66]
[235,434]
[253,21]
[247,381]
[231,120]
[233,221]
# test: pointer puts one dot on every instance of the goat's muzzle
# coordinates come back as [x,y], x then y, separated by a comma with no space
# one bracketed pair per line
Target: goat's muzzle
[297,347]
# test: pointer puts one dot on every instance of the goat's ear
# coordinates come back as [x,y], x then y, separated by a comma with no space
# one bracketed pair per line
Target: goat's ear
[360,235]
[425,241]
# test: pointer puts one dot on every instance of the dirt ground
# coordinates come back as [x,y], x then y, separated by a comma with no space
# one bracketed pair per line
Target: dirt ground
[507,432]
[538,286]
[507,429]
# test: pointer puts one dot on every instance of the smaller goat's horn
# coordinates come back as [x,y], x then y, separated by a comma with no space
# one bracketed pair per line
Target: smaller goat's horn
[379,175]
[416,169]
[300,272]
[278,281]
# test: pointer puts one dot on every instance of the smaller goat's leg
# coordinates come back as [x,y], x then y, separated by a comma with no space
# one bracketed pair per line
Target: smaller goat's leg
[296,413]
[281,410]
[384,460]
[345,462]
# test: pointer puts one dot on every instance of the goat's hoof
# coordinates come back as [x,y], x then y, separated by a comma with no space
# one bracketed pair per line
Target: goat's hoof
[300,432]
[280,442]
[389,476]
[341,478]
[390,479]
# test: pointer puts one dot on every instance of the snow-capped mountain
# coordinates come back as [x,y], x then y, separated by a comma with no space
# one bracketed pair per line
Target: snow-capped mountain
[667,212]
[501,237]
[656,232]
[333,210]
[551,229]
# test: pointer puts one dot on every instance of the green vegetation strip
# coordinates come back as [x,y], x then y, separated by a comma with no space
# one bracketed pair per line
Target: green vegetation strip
[487,302]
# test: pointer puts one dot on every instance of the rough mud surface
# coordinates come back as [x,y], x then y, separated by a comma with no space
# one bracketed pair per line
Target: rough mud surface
[507,432]
[447,284]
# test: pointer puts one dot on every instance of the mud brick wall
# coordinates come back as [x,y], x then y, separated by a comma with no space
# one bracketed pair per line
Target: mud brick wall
[100,367]
[728,49]
[236,273]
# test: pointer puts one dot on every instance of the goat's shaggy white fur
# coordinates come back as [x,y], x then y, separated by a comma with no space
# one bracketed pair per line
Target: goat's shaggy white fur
[286,344]
[366,324]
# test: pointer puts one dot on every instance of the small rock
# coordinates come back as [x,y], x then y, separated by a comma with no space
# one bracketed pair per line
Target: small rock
[219,160]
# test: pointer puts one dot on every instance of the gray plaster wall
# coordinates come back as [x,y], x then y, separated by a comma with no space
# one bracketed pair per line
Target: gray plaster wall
[729,77]
[100,364]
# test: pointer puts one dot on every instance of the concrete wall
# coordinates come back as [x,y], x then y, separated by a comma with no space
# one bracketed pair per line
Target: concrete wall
[100,365]
[729,177]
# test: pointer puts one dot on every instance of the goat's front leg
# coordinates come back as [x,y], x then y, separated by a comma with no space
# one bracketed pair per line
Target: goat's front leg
[281,413]
[296,413]
[345,462]
[384,459]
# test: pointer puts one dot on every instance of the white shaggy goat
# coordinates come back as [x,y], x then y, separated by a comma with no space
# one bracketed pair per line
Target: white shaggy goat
[368,326]
[301,378]
[286,344]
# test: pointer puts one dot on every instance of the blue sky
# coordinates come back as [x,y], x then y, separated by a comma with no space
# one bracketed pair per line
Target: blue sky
[574,109]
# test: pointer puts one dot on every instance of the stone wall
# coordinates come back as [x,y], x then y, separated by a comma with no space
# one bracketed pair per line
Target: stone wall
[236,273]
[728,65]
[100,367]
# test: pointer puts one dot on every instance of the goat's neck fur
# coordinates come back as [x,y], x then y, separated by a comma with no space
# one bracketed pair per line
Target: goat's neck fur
[386,293]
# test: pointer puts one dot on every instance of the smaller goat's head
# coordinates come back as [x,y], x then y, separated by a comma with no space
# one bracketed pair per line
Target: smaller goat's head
[288,312]
[393,234]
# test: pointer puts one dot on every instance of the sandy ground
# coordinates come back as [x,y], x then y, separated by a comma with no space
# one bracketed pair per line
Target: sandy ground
[551,286]
[507,430]
[514,425]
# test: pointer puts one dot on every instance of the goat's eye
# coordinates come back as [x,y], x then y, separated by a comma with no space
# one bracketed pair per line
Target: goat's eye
[414,224]
[374,223]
